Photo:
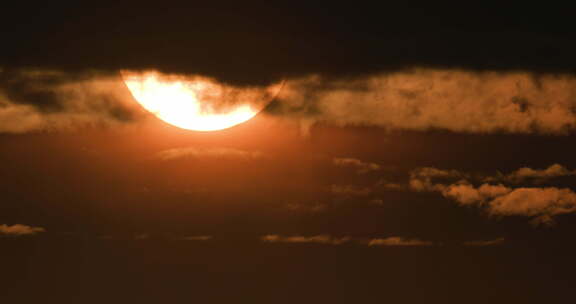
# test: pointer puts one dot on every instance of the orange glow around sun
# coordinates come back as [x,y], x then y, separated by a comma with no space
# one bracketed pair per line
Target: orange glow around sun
[196,103]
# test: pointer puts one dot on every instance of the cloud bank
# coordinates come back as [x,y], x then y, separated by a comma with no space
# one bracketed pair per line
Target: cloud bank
[45,100]
[416,99]
[427,99]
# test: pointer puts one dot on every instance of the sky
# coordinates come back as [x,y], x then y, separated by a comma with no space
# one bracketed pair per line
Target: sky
[405,154]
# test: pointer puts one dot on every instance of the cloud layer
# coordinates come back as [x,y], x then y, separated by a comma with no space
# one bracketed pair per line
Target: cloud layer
[417,99]
[45,100]
[425,99]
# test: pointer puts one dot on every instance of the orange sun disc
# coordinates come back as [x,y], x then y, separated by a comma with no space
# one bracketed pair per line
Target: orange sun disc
[194,102]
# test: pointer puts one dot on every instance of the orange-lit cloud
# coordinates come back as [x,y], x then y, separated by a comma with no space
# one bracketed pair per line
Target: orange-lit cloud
[540,203]
[398,241]
[33,101]
[360,166]
[332,240]
[194,238]
[351,190]
[417,99]
[421,179]
[425,99]
[306,207]
[319,239]
[213,152]
[494,242]
[535,175]
[20,230]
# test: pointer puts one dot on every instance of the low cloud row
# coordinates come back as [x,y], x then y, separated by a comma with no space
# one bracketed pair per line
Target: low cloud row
[417,99]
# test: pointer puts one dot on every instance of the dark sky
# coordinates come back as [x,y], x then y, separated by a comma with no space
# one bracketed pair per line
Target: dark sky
[413,154]
[278,40]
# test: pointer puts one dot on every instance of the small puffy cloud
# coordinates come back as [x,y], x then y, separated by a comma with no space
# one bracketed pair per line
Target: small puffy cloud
[216,152]
[390,186]
[350,190]
[398,241]
[467,194]
[494,242]
[319,239]
[540,203]
[20,230]
[431,172]
[423,179]
[538,175]
[306,207]
[376,201]
[360,166]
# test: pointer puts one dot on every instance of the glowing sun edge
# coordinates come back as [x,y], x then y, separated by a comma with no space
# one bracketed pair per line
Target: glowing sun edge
[176,102]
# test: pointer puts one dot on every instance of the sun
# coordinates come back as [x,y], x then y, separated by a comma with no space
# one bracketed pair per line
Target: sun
[194,102]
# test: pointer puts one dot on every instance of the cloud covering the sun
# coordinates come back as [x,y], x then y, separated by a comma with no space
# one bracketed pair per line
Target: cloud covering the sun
[417,99]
